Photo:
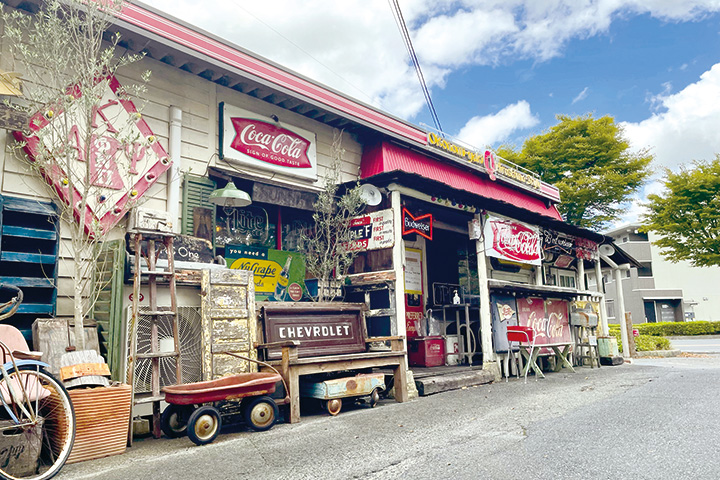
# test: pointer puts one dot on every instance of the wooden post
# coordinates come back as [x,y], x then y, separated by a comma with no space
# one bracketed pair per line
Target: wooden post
[485,313]
[632,351]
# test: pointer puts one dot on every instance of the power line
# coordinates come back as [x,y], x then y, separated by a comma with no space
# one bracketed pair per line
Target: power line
[397,13]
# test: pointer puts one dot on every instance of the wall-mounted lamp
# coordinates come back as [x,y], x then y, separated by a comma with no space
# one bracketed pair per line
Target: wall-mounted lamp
[230,196]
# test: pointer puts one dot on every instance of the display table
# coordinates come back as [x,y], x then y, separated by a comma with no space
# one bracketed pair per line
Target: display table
[561,351]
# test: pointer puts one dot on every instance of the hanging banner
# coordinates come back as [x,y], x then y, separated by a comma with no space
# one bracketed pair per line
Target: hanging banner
[373,231]
[262,142]
[278,275]
[422,225]
[511,240]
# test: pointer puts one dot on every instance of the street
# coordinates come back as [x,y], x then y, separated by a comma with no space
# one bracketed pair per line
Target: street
[654,419]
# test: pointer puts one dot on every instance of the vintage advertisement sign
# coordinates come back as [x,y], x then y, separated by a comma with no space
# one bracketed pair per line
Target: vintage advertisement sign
[511,240]
[504,312]
[414,303]
[564,244]
[373,231]
[422,224]
[261,142]
[125,159]
[278,275]
[548,318]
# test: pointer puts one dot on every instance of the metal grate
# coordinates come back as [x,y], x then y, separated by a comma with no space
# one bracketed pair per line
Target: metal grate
[190,331]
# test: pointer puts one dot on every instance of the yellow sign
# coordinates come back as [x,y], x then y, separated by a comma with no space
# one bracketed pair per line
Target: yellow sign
[265,272]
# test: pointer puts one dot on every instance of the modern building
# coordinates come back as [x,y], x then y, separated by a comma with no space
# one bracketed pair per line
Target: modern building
[660,290]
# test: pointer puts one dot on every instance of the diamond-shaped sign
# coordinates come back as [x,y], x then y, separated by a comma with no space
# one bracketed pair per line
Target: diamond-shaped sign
[125,158]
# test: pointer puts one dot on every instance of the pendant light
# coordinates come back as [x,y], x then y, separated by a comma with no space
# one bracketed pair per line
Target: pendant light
[230,196]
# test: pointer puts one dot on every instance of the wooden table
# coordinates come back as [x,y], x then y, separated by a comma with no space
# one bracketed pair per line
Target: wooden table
[561,351]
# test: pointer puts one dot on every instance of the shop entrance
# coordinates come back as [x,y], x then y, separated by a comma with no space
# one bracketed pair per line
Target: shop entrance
[451,302]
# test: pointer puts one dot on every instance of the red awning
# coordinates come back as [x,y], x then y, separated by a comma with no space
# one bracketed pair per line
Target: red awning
[387,157]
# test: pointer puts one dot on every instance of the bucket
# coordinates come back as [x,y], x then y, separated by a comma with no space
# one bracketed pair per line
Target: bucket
[452,346]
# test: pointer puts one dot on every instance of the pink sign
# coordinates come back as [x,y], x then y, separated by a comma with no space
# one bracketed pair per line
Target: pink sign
[269,143]
[124,156]
[512,241]
[548,318]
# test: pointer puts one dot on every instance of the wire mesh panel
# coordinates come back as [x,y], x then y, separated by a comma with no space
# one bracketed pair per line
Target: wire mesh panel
[190,331]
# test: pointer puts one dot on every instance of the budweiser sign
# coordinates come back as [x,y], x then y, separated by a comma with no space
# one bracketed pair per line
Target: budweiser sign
[267,144]
[512,241]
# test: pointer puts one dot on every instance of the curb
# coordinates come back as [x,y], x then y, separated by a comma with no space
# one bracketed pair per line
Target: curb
[658,353]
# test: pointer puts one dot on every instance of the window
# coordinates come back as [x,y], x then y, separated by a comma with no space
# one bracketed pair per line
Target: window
[567,279]
[610,304]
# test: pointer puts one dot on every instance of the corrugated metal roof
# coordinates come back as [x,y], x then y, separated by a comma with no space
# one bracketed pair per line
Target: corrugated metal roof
[387,157]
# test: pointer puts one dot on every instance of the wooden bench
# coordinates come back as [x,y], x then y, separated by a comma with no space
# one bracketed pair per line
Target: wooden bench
[294,357]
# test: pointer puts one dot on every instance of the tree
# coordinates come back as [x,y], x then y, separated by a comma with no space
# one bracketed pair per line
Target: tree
[78,140]
[326,257]
[589,161]
[686,215]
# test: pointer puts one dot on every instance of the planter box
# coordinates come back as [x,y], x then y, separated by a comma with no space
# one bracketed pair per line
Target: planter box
[607,346]
[101,417]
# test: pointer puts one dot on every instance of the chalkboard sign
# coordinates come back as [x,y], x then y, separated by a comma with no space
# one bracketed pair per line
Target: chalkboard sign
[187,249]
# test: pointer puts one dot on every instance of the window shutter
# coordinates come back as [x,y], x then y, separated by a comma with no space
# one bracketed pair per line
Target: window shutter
[196,191]
[107,311]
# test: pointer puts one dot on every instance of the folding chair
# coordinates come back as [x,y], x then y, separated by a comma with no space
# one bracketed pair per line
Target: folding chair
[521,335]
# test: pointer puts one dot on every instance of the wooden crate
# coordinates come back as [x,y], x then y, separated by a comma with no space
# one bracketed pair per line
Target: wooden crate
[101,417]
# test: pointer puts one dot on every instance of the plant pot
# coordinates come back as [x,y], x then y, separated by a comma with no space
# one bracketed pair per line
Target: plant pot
[101,418]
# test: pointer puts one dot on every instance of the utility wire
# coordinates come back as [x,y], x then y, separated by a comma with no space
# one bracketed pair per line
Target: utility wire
[397,13]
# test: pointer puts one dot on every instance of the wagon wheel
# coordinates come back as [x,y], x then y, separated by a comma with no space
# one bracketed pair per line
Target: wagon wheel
[260,413]
[204,425]
[174,420]
[333,406]
[374,397]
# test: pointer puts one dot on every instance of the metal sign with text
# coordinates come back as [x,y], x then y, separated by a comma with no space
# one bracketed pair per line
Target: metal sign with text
[373,231]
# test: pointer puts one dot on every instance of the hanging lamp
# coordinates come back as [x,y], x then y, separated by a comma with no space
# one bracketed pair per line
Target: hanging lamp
[230,196]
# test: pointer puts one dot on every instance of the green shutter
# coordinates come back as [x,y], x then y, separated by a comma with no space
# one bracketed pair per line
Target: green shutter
[107,311]
[196,191]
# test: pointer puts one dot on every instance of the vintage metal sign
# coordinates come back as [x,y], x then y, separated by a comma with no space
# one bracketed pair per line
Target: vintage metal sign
[261,142]
[548,318]
[373,231]
[510,240]
[277,274]
[422,225]
[125,158]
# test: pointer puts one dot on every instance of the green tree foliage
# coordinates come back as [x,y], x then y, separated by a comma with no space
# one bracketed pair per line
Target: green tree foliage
[686,215]
[589,161]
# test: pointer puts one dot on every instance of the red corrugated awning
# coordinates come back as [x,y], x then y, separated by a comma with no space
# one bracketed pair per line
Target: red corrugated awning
[387,157]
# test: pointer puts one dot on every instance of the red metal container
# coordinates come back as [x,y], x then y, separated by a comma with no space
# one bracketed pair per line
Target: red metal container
[426,351]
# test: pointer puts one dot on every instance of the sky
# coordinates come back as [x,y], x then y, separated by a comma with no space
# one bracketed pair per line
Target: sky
[499,71]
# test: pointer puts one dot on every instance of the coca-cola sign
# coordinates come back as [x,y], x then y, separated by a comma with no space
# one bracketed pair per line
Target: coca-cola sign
[269,144]
[512,241]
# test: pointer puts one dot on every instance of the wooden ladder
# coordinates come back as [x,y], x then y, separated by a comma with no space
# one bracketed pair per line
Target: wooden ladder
[154,240]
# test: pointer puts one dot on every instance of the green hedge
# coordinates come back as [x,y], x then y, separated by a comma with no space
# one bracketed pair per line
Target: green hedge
[643,343]
[666,329]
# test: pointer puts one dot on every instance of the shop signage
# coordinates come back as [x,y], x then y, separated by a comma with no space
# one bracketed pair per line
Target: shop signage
[277,274]
[247,225]
[493,165]
[548,318]
[121,170]
[569,245]
[373,231]
[261,142]
[585,249]
[514,241]
[422,225]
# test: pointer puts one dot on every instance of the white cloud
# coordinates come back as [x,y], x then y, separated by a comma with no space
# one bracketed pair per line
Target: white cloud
[493,129]
[354,45]
[581,96]
[687,127]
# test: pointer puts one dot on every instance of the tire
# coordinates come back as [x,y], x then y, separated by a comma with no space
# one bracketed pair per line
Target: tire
[333,406]
[204,425]
[260,413]
[174,420]
[374,398]
[45,427]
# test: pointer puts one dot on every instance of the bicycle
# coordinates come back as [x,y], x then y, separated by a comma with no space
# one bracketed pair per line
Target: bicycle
[37,420]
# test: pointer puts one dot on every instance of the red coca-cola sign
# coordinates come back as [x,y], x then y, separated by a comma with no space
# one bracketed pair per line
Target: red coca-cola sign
[513,241]
[270,143]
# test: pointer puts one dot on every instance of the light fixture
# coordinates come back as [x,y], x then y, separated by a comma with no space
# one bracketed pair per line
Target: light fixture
[230,196]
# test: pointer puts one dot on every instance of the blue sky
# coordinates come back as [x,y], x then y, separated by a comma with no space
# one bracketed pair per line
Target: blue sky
[500,70]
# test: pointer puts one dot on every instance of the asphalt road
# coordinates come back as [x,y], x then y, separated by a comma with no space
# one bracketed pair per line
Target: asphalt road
[652,419]
[698,344]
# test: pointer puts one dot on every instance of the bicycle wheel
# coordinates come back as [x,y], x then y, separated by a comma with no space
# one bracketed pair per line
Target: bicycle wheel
[37,424]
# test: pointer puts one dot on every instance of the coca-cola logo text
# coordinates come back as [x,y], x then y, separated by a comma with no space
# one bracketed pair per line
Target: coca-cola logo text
[515,241]
[269,143]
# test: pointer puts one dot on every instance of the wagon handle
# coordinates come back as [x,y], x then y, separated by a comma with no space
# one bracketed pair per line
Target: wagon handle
[259,362]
